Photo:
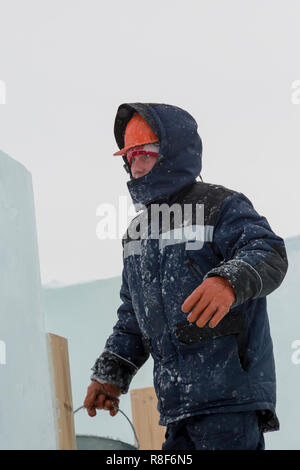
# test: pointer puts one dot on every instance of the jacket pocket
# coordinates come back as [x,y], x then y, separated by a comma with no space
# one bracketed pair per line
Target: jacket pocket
[211,372]
[194,268]
[233,323]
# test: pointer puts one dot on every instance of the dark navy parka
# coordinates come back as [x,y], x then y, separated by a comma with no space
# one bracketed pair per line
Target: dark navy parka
[196,370]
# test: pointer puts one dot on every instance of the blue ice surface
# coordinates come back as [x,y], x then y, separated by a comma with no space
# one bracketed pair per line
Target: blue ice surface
[26,413]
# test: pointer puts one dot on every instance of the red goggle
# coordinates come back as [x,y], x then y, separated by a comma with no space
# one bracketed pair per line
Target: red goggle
[139,151]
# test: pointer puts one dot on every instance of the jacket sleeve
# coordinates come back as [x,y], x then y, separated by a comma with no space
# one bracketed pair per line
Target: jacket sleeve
[254,257]
[126,349]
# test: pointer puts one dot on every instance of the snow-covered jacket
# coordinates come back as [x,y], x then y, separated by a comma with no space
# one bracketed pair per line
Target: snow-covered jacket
[196,370]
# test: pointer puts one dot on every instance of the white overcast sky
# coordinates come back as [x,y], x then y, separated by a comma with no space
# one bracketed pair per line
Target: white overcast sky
[68,64]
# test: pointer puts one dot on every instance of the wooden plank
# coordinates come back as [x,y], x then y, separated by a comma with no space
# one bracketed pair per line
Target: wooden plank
[63,404]
[145,418]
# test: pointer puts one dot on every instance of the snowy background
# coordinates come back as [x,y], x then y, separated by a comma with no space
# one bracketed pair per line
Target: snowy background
[68,64]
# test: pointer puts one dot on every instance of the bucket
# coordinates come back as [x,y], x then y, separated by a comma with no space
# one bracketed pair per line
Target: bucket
[90,442]
[86,442]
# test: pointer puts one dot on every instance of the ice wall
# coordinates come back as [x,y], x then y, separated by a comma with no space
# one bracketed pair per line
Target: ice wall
[86,313]
[284,308]
[26,414]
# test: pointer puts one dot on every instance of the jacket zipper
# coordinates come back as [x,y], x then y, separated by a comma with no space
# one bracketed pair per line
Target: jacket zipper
[194,268]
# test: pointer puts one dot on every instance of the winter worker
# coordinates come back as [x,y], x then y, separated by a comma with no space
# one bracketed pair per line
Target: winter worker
[196,303]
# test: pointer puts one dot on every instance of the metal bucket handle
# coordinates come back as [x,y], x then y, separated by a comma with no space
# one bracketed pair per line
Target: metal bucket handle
[135,435]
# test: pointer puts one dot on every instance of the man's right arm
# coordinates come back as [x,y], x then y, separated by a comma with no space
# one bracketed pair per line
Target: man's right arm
[125,350]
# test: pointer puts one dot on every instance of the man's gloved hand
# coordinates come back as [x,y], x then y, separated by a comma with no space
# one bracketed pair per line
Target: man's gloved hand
[102,396]
[214,296]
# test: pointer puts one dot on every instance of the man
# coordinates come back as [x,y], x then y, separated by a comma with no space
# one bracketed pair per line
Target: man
[214,371]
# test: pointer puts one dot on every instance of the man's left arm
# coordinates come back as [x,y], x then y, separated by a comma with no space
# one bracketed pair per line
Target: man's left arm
[254,260]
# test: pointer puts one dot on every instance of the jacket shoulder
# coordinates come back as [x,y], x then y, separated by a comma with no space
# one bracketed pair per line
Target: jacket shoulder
[209,190]
[211,195]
